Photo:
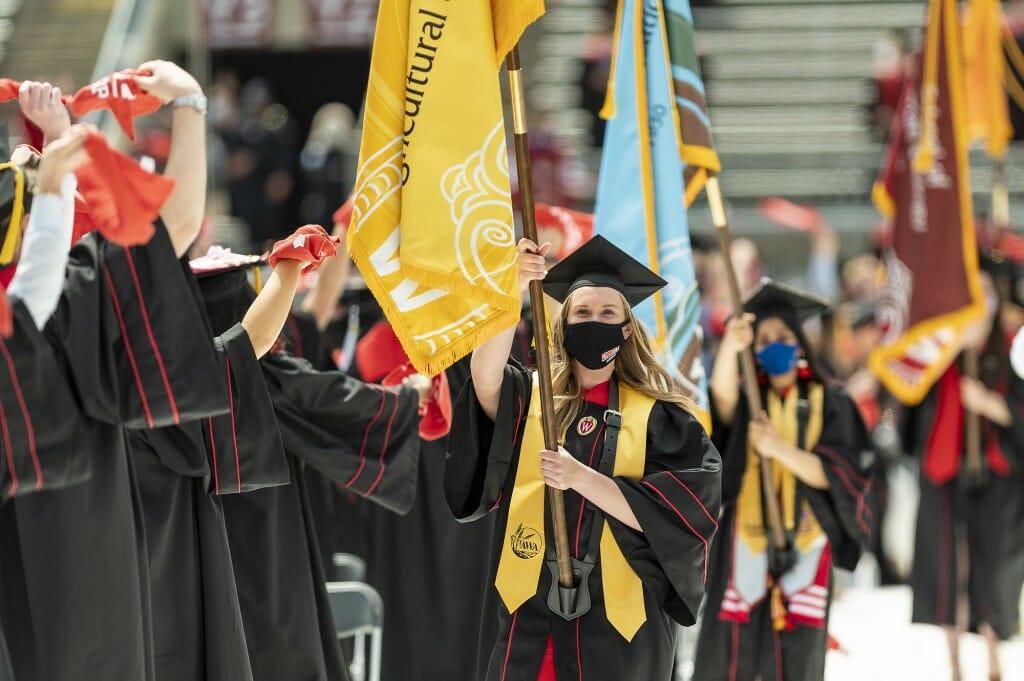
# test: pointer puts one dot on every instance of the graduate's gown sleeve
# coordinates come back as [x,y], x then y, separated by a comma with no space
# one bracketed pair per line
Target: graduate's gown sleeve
[40,428]
[481,453]
[848,458]
[135,344]
[363,436]
[244,446]
[677,503]
[730,441]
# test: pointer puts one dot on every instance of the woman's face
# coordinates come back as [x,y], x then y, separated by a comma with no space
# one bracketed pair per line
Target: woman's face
[773,330]
[597,304]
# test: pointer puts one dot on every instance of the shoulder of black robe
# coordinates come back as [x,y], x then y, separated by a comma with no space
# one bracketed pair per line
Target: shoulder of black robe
[244,446]
[363,436]
[304,339]
[40,427]
[730,440]
[481,454]
[677,503]
[848,458]
[133,342]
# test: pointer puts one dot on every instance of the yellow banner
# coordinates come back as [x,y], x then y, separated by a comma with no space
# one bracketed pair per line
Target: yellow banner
[432,230]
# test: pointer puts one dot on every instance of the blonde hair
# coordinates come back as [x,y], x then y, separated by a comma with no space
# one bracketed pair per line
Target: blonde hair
[635,366]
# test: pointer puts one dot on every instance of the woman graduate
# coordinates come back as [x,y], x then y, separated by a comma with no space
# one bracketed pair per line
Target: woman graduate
[970,521]
[767,610]
[641,475]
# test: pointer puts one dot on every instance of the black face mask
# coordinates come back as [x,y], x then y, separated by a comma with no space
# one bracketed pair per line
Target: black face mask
[594,344]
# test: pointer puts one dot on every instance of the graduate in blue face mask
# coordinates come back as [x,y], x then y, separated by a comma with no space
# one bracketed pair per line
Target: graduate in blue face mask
[767,610]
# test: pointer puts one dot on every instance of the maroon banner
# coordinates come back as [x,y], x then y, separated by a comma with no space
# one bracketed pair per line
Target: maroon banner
[342,23]
[238,23]
[932,289]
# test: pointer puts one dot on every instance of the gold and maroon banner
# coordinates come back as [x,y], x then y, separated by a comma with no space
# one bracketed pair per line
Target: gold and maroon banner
[932,289]
[238,23]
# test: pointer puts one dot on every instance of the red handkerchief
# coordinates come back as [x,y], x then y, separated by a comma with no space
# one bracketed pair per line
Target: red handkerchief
[83,220]
[6,321]
[310,244]
[121,198]
[436,414]
[9,89]
[378,352]
[121,94]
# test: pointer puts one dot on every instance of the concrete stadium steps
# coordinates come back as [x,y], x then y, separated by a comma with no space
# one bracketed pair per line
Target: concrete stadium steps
[55,37]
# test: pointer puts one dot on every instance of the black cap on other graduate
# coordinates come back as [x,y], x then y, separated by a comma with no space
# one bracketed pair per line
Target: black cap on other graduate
[13,196]
[223,279]
[772,299]
[599,262]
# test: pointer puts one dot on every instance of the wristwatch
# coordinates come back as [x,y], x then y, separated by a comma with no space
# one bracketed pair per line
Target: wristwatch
[196,100]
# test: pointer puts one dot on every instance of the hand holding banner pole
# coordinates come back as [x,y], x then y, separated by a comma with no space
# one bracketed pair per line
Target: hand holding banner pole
[540,326]
[776,534]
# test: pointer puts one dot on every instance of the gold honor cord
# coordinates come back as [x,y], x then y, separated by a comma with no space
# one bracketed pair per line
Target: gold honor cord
[10,244]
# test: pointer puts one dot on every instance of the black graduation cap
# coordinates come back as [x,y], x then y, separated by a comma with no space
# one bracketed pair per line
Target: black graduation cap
[223,279]
[13,194]
[772,299]
[599,262]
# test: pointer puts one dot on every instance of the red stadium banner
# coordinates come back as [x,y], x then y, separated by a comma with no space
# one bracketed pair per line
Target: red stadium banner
[342,23]
[238,23]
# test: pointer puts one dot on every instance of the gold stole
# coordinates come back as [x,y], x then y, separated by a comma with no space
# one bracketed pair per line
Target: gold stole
[522,553]
[783,415]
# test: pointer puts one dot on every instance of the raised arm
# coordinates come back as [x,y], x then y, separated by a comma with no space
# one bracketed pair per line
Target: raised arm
[42,104]
[725,377]
[39,279]
[186,162]
[330,284]
[487,364]
[266,316]
[307,247]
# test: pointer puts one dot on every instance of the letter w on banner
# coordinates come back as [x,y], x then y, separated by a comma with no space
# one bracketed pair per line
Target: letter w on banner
[432,230]
[657,155]
[932,289]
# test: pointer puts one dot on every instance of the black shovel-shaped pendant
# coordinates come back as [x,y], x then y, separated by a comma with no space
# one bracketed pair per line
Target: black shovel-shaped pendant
[573,602]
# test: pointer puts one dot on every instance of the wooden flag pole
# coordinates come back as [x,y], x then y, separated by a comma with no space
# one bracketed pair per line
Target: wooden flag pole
[776,533]
[1000,194]
[540,325]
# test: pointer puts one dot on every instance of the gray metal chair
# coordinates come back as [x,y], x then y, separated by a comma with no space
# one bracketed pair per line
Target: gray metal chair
[348,568]
[358,611]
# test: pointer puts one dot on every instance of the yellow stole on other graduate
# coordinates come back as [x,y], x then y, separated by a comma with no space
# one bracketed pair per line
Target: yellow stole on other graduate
[522,553]
[782,412]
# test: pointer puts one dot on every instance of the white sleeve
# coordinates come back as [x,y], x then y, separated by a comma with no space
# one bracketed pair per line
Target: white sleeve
[39,279]
[1017,353]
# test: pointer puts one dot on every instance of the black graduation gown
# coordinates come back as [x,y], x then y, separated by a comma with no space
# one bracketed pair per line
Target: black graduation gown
[198,632]
[446,593]
[730,651]
[39,425]
[74,600]
[676,503]
[361,436]
[982,526]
